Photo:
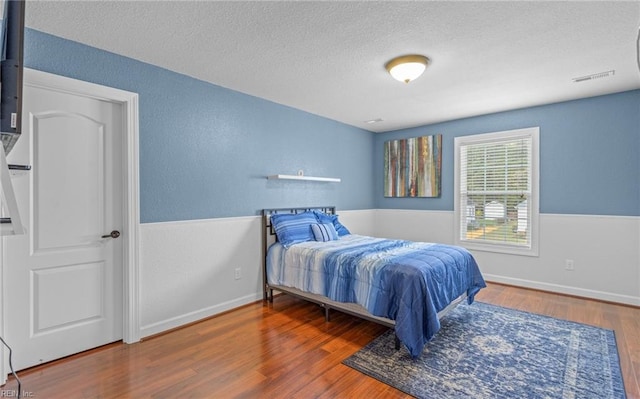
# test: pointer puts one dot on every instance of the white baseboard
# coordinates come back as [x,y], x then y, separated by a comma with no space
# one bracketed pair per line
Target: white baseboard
[174,322]
[563,289]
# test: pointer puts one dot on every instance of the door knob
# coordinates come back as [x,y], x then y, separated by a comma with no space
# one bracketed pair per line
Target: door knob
[113,234]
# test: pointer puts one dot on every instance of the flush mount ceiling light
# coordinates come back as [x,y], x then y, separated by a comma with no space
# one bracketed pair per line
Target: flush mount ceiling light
[407,67]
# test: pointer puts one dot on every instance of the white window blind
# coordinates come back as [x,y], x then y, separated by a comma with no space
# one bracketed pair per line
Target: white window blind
[497,189]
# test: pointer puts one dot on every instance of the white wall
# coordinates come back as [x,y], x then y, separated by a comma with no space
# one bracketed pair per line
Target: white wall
[605,251]
[187,268]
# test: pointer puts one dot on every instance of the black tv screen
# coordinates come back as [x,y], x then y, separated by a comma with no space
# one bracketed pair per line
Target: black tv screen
[11,66]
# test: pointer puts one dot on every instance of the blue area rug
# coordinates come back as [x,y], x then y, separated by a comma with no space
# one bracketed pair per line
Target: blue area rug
[486,351]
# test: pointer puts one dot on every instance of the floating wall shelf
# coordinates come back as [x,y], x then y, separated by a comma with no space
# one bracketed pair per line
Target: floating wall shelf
[308,178]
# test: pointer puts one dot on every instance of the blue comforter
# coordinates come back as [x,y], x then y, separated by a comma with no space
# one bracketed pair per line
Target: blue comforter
[405,281]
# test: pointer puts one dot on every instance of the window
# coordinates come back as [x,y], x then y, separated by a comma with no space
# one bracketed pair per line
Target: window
[496,191]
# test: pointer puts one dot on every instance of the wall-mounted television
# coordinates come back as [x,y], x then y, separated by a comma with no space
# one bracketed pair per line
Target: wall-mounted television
[11,67]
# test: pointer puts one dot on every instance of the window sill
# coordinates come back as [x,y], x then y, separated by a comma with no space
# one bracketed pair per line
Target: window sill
[497,248]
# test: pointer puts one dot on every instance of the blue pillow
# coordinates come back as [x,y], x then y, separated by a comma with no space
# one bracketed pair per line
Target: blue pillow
[293,228]
[324,232]
[333,219]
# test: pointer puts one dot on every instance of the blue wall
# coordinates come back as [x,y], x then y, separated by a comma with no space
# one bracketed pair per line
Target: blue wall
[205,151]
[589,155]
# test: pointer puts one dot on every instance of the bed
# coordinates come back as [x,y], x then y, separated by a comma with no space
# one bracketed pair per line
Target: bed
[401,284]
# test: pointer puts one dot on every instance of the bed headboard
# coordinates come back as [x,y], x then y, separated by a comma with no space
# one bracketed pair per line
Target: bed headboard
[269,234]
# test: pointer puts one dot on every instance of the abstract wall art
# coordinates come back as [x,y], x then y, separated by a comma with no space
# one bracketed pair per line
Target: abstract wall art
[412,167]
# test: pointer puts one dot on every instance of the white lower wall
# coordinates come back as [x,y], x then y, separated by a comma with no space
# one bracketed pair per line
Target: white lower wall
[359,222]
[426,226]
[187,268]
[605,251]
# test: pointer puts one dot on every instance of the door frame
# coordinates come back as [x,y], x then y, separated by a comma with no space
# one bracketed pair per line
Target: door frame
[131,194]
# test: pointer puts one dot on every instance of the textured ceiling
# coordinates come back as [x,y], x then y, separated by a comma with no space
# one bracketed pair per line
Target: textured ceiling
[327,58]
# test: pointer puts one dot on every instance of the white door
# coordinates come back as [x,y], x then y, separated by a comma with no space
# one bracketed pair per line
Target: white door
[63,279]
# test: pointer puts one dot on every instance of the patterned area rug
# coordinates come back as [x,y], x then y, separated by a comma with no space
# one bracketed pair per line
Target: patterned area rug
[486,351]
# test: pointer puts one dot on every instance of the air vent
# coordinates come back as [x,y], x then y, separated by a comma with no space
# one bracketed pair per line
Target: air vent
[594,76]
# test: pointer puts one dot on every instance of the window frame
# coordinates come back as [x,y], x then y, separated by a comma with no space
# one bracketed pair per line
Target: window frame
[533,201]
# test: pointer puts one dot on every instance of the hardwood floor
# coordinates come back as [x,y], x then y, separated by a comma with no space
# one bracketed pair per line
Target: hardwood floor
[284,349]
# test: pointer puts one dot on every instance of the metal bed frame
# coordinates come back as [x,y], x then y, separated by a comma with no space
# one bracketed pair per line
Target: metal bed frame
[269,237]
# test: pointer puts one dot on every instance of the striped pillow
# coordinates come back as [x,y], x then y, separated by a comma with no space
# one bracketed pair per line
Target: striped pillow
[333,219]
[293,228]
[324,232]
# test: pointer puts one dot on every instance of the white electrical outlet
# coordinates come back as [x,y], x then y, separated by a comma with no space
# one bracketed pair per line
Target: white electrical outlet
[238,273]
[568,264]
